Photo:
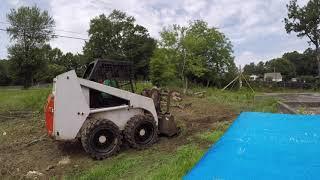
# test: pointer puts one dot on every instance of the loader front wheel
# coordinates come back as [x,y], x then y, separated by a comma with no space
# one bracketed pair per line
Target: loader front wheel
[141,131]
[101,138]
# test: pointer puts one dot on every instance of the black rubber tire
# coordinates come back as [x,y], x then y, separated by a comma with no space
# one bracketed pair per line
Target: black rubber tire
[134,124]
[91,142]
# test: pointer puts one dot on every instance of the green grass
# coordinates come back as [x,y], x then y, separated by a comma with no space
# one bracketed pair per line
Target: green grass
[210,137]
[266,105]
[23,100]
[176,165]
[239,101]
[148,164]
[213,136]
[140,86]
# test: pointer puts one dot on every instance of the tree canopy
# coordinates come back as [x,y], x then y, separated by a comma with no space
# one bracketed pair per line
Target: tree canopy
[282,65]
[118,37]
[291,64]
[29,29]
[194,53]
[305,21]
[305,63]
[4,73]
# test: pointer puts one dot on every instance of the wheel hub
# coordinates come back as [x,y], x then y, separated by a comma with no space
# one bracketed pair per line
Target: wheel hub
[142,132]
[102,139]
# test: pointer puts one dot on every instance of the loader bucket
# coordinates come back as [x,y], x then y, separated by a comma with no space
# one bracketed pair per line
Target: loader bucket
[167,125]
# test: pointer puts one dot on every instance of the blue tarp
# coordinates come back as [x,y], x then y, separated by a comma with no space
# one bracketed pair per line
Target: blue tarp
[264,146]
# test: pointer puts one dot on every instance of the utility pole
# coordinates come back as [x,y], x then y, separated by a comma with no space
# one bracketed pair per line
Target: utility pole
[240,77]
[275,75]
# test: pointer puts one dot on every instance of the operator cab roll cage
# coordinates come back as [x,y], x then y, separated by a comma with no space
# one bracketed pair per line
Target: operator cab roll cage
[113,73]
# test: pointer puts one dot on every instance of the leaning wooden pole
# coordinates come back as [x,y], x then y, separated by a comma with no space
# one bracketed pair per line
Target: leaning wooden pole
[230,83]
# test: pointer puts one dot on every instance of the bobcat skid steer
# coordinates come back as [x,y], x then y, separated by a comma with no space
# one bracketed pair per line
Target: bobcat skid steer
[102,110]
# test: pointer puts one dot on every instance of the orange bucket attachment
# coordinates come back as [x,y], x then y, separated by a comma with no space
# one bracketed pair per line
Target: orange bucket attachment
[49,108]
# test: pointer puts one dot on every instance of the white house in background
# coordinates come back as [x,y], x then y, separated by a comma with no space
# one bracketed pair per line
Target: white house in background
[253,77]
[294,79]
[275,77]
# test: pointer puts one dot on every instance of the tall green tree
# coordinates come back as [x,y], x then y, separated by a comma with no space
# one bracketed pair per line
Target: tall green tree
[162,68]
[305,63]
[198,52]
[29,29]
[310,62]
[5,78]
[305,21]
[260,68]
[212,52]
[118,37]
[282,65]
[56,62]
[51,64]
[250,69]
[256,69]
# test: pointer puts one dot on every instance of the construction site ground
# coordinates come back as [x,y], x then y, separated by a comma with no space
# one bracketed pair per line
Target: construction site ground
[297,103]
[27,152]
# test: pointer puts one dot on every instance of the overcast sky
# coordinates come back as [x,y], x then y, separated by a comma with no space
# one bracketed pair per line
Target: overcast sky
[255,27]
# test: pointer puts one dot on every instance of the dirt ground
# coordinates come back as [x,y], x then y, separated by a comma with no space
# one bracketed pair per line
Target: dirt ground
[25,147]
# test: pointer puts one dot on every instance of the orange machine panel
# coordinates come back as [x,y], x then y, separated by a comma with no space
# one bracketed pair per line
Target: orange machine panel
[49,114]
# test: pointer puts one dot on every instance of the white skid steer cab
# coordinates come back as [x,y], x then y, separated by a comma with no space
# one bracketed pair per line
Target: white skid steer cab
[102,110]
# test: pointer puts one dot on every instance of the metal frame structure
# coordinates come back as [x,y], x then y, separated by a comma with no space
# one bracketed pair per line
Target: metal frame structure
[102,69]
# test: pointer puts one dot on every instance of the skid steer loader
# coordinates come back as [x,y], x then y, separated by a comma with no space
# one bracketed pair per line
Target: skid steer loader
[102,110]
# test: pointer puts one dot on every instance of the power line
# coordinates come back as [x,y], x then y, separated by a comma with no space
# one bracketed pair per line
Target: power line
[67,31]
[1,22]
[62,36]
[71,37]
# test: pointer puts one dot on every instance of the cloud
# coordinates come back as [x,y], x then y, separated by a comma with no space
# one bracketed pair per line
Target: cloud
[153,15]
[247,57]
[252,53]
[16,3]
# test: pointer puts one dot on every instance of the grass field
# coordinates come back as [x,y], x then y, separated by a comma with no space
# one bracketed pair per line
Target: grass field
[202,125]
[23,100]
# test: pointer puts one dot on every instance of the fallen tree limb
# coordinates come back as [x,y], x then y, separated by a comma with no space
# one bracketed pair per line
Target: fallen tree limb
[35,141]
[201,92]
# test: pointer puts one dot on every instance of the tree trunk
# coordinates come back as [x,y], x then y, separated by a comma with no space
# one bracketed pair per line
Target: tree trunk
[185,85]
[27,81]
[318,60]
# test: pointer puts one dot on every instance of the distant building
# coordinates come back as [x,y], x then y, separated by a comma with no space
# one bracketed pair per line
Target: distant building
[253,77]
[294,80]
[275,77]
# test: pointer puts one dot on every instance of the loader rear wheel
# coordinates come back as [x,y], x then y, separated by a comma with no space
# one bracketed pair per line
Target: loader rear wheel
[141,131]
[101,138]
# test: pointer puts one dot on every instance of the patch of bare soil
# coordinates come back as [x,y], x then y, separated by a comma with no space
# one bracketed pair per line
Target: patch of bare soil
[199,116]
[25,149]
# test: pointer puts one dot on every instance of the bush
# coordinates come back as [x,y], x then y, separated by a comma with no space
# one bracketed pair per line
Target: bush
[308,79]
